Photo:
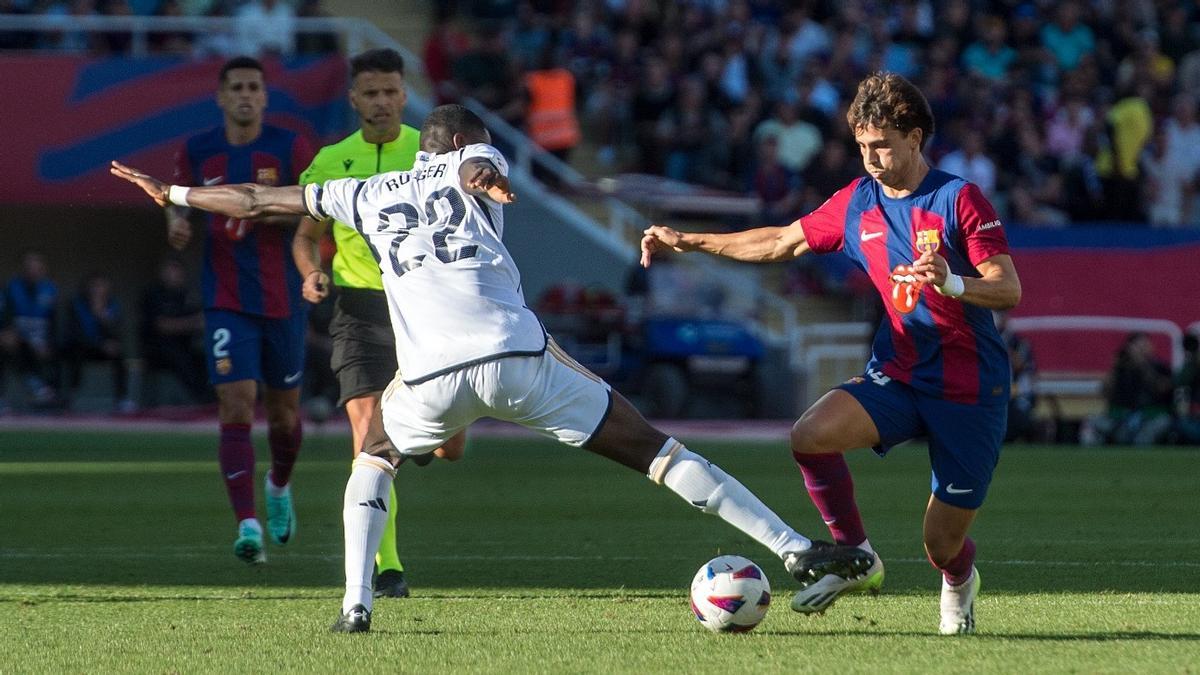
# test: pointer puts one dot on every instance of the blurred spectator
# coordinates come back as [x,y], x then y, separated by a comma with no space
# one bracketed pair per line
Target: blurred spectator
[446,42]
[550,119]
[990,57]
[970,163]
[1138,391]
[171,328]
[799,141]
[314,43]
[487,74]
[173,42]
[1130,126]
[1187,392]
[65,39]
[776,186]
[687,132]
[265,27]
[1024,376]
[32,300]
[1068,40]
[94,334]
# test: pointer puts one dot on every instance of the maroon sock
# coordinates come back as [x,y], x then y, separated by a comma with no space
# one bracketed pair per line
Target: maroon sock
[285,445]
[831,488]
[958,570]
[236,458]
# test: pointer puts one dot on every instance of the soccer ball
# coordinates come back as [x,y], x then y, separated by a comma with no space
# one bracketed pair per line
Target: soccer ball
[730,594]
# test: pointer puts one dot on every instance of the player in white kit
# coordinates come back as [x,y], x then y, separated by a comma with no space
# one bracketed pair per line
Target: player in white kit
[468,347]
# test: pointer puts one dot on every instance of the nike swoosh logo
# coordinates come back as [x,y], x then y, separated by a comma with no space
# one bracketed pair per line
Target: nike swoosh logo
[293,378]
[868,236]
[955,491]
[235,474]
[214,181]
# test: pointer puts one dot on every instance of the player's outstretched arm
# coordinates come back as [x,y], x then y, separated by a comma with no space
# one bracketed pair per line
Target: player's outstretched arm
[762,244]
[479,177]
[246,200]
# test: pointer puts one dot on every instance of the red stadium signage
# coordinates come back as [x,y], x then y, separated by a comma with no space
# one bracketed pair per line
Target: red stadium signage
[66,117]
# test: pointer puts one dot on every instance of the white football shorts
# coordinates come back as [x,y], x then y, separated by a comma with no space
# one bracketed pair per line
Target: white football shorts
[550,394]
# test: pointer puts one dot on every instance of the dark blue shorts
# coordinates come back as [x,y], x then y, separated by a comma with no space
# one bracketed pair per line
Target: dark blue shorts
[964,439]
[241,346]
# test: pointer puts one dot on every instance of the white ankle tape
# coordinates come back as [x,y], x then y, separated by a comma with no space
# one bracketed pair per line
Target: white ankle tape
[662,461]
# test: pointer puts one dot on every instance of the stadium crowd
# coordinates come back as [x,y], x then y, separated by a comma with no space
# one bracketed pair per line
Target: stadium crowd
[1061,111]
[261,27]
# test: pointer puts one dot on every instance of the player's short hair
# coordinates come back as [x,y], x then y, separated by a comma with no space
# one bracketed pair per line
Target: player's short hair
[377,61]
[437,133]
[239,62]
[889,101]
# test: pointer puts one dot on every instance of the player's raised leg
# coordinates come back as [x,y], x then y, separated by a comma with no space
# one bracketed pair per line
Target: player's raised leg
[235,405]
[838,422]
[627,438]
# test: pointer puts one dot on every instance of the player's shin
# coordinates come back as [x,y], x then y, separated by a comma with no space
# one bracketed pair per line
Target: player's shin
[831,488]
[364,515]
[705,486]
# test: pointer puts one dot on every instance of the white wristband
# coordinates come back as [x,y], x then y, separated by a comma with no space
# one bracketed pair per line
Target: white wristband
[953,287]
[177,195]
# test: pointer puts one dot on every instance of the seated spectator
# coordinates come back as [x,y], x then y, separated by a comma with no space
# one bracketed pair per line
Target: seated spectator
[488,75]
[171,328]
[32,299]
[1187,393]
[1068,40]
[94,334]
[1024,374]
[1138,391]
[318,44]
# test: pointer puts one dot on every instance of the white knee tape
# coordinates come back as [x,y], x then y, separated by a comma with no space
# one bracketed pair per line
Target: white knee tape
[662,461]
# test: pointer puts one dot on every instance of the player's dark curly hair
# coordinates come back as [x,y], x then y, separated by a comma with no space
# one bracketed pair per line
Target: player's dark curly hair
[236,63]
[888,101]
[377,61]
[437,133]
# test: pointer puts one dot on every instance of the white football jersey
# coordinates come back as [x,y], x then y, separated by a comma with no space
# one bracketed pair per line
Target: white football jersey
[454,293]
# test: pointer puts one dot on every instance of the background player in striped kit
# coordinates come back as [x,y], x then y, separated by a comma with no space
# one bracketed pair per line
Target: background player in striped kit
[254,317]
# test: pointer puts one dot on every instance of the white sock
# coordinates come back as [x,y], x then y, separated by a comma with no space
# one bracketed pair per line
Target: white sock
[866,546]
[705,486]
[276,490]
[364,515]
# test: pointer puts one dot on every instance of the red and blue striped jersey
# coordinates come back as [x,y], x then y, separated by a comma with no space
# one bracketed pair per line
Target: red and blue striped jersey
[248,266]
[944,347]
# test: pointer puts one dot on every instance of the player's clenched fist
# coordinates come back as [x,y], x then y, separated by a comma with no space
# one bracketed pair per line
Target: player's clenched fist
[316,286]
[659,237]
[484,176]
[931,269]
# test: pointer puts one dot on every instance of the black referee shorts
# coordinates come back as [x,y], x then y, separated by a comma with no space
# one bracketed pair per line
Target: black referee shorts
[364,348]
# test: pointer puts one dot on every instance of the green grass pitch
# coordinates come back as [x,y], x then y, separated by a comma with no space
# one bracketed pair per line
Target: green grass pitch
[115,556]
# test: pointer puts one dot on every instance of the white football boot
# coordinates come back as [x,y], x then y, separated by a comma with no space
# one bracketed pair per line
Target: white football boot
[958,605]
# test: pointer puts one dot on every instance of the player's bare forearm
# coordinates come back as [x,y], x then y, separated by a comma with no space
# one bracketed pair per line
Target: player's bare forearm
[762,244]
[306,245]
[248,200]
[993,291]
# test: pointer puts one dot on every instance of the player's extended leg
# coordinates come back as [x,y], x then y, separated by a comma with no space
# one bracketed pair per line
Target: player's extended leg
[953,553]
[365,515]
[390,581]
[834,424]
[285,433]
[627,438]
[235,409]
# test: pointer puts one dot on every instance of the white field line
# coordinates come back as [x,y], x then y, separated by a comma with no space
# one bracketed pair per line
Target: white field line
[196,553]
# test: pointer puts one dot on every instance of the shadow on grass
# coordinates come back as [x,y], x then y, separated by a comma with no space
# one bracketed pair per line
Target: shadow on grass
[1099,636]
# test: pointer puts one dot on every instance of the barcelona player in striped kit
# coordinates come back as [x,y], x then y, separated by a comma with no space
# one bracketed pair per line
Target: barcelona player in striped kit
[936,252]
[254,316]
